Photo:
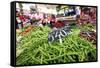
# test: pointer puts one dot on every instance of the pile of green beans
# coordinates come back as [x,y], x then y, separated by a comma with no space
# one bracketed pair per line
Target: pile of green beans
[35,49]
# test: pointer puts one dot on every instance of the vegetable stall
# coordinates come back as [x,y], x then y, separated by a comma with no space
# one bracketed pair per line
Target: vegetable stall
[35,49]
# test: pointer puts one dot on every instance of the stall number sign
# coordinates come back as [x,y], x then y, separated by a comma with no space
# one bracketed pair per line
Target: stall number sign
[58,34]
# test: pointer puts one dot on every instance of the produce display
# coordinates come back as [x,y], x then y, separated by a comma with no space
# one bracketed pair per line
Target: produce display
[55,34]
[35,49]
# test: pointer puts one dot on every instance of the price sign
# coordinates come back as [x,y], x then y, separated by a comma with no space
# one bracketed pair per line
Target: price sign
[58,33]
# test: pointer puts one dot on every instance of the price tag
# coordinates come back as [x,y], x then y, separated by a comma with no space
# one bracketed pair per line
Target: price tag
[58,33]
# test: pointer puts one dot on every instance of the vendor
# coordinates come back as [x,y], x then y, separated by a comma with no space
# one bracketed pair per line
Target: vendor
[52,20]
[19,20]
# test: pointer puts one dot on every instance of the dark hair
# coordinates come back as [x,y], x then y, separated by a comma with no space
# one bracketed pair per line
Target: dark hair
[53,16]
[78,16]
[85,10]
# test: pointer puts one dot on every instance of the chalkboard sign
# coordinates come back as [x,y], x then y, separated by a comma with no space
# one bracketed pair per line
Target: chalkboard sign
[58,33]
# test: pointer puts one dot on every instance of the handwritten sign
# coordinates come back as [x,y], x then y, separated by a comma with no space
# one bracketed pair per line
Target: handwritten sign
[58,33]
